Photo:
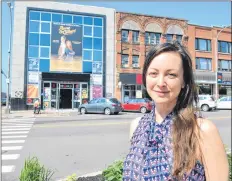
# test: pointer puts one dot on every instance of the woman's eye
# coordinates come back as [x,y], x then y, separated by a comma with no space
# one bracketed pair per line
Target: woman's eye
[172,75]
[152,74]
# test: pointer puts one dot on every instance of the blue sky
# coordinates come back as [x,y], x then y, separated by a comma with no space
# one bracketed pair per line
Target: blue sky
[200,13]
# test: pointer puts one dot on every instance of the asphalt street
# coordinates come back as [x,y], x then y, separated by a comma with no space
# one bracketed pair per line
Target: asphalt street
[78,144]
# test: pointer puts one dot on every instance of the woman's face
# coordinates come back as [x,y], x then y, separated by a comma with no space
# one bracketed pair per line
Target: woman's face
[164,78]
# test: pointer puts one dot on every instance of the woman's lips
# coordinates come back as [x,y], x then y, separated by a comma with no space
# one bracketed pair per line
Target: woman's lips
[161,93]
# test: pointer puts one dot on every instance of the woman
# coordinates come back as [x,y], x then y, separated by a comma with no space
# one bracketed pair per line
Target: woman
[69,51]
[173,142]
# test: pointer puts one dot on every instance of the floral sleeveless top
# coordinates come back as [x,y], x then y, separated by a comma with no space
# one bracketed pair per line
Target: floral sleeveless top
[150,157]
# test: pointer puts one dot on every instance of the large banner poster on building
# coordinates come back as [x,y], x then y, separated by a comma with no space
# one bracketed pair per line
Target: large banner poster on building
[66,48]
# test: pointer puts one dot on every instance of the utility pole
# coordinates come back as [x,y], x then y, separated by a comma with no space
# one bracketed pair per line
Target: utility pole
[9,63]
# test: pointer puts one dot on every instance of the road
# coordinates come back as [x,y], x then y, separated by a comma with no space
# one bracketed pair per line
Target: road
[78,144]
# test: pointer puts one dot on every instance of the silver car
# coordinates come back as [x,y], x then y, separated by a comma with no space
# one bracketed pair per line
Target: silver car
[101,105]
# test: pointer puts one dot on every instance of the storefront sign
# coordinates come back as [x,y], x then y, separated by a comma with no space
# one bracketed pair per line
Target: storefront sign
[96,79]
[33,77]
[32,91]
[138,94]
[97,91]
[97,67]
[66,48]
[226,83]
[84,94]
[219,77]
[33,64]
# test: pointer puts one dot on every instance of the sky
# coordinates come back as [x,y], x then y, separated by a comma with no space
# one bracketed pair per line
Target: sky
[199,13]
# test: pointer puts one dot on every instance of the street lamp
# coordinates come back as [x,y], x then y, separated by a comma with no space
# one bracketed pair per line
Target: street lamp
[216,58]
[9,57]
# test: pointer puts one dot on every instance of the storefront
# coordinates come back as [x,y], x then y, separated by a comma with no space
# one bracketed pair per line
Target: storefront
[131,86]
[61,59]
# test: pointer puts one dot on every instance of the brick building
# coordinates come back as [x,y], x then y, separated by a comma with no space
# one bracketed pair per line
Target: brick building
[136,33]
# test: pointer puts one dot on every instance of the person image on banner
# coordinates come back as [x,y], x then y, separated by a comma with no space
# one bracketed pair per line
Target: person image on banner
[69,51]
[62,48]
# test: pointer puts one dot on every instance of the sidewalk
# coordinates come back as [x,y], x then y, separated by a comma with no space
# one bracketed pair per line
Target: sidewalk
[44,113]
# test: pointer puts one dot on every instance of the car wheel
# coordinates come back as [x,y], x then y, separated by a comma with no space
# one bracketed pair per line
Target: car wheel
[83,110]
[205,107]
[143,110]
[107,111]
[116,112]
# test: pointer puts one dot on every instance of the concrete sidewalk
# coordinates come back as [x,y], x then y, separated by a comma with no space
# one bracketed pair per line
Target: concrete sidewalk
[44,113]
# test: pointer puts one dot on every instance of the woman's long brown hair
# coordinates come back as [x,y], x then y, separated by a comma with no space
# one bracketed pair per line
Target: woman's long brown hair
[185,132]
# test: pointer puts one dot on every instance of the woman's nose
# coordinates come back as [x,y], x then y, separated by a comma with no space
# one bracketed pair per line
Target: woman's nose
[161,81]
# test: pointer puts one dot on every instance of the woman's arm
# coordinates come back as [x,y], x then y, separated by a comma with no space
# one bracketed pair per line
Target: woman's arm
[133,126]
[214,155]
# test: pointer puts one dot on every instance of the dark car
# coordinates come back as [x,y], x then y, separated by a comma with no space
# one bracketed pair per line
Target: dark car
[101,105]
[3,101]
[142,105]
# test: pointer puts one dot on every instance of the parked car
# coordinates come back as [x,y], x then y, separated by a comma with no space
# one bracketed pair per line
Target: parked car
[3,101]
[207,103]
[101,105]
[142,105]
[224,102]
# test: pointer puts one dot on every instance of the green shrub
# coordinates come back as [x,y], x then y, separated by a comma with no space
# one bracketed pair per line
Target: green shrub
[230,165]
[33,170]
[72,177]
[114,171]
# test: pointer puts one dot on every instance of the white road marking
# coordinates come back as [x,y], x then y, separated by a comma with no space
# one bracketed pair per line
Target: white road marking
[8,169]
[28,126]
[19,136]
[10,156]
[13,141]
[7,148]
[16,132]
[16,129]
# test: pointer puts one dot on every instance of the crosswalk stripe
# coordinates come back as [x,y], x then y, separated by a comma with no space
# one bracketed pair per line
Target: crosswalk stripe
[12,124]
[15,132]
[10,156]
[13,141]
[26,126]
[19,136]
[7,169]
[7,148]
[16,129]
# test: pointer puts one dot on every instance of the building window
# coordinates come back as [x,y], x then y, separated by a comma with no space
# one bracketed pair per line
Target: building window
[67,19]
[125,35]
[152,38]
[97,32]
[34,26]
[125,61]
[224,47]
[77,20]
[56,17]
[88,20]
[179,38]
[169,37]
[203,64]
[224,65]
[135,61]
[202,44]
[45,16]
[88,31]
[135,36]
[98,21]
[45,27]
[34,15]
